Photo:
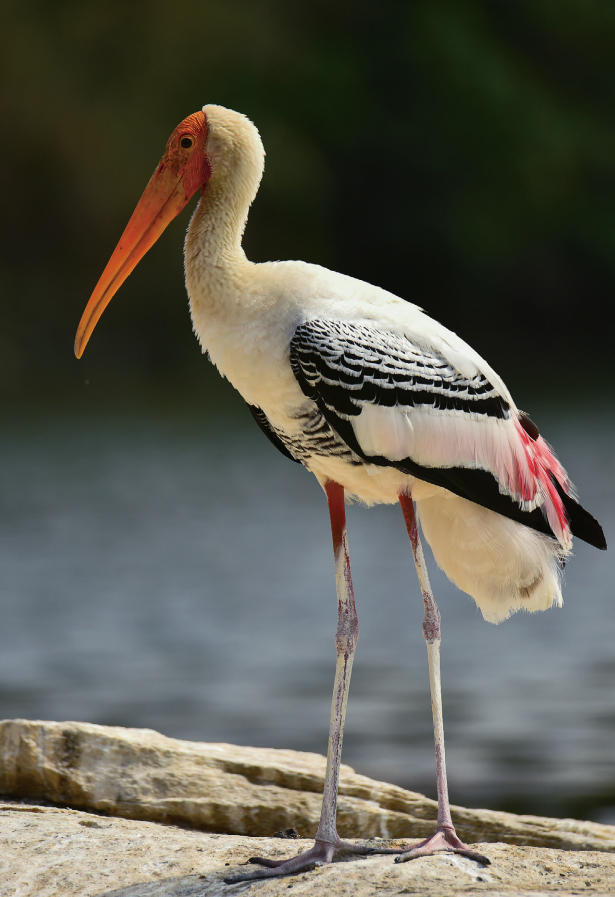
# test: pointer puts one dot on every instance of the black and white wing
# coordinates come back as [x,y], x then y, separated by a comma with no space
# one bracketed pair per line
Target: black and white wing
[396,403]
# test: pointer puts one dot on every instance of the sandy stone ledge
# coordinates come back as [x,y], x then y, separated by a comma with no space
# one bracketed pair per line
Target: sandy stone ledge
[100,811]
[225,789]
[50,852]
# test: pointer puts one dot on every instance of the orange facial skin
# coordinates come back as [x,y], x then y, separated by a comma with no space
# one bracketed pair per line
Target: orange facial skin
[182,171]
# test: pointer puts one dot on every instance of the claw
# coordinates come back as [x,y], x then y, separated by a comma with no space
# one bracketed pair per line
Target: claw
[278,870]
[442,841]
[320,854]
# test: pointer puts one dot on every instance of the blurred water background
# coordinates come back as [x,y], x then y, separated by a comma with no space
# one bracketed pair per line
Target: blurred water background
[164,572]
[160,564]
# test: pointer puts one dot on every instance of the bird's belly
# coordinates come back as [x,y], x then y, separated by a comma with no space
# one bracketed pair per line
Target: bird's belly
[313,442]
[260,370]
[369,483]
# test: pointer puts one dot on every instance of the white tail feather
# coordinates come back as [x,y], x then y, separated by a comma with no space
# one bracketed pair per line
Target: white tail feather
[504,565]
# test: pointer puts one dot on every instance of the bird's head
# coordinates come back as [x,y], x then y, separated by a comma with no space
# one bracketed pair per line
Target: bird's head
[183,169]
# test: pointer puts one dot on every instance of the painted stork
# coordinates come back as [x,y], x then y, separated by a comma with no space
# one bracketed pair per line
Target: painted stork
[380,402]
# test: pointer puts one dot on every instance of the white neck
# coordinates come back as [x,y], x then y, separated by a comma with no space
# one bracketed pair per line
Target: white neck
[214,258]
[215,230]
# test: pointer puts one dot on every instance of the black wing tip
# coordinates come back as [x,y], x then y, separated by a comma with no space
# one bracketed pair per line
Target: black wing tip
[582,524]
[588,529]
[596,532]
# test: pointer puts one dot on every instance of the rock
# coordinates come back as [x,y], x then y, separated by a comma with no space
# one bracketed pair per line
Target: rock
[53,852]
[221,788]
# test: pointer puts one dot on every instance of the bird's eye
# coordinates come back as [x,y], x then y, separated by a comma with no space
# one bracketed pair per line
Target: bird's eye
[186,142]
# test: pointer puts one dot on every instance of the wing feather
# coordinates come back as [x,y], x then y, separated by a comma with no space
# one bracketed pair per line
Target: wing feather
[397,403]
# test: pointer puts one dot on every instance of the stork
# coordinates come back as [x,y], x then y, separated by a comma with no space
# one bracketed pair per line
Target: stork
[381,403]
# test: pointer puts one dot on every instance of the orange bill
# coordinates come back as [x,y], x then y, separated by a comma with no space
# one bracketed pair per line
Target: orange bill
[182,171]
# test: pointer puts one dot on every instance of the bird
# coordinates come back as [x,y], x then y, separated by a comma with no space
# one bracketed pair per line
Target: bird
[376,399]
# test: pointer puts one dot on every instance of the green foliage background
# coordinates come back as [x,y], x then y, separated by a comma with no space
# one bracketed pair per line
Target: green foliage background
[460,153]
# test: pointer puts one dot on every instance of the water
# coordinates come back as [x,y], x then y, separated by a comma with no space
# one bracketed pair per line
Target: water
[161,573]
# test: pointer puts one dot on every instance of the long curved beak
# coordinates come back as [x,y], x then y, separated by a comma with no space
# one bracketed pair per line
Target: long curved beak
[182,171]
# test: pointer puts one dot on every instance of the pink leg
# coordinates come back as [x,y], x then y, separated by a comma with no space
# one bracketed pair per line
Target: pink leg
[445,837]
[327,840]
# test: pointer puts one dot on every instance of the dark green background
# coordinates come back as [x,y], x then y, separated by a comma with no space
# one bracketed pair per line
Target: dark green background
[460,154]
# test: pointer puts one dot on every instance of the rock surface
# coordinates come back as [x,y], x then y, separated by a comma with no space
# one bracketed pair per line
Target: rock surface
[51,852]
[224,789]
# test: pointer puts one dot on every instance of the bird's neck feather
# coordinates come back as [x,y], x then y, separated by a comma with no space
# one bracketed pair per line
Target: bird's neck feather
[213,252]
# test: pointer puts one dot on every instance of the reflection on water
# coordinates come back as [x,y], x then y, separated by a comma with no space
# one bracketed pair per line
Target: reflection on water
[159,574]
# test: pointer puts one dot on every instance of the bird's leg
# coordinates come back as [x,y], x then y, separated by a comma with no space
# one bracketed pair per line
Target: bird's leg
[346,638]
[445,836]
[327,840]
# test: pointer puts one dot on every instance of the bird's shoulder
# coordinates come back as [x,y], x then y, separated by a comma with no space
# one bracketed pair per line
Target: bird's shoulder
[337,306]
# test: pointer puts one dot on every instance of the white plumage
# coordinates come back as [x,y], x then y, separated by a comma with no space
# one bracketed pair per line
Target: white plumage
[504,565]
[374,397]
[245,316]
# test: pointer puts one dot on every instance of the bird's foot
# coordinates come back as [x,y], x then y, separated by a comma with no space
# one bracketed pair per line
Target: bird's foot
[320,854]
[444,838]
